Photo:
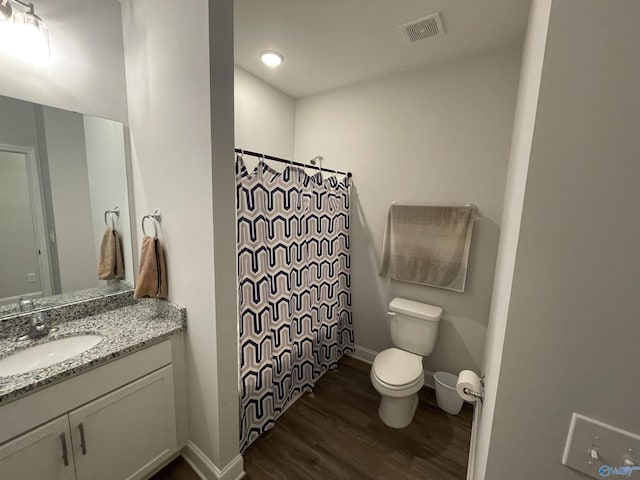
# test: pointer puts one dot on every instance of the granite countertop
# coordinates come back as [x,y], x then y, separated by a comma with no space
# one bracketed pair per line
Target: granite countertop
[82,296]
[124,331]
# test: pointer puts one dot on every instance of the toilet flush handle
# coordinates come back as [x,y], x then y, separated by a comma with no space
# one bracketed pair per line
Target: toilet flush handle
[391,314]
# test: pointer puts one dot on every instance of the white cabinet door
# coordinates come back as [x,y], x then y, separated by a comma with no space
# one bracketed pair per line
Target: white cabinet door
[43,453]
[127,433]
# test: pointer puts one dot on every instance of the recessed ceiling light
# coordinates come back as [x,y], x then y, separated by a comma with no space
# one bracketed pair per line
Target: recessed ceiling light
[271,58]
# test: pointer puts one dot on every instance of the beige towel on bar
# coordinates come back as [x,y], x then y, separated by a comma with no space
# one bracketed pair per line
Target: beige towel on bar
[110,264]
[428,245]
[152,274]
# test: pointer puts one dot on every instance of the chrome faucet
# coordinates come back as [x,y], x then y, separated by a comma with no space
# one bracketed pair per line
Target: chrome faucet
[25,304]
[38,326]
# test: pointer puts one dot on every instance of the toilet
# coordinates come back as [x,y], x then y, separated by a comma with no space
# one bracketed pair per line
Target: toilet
[397,373]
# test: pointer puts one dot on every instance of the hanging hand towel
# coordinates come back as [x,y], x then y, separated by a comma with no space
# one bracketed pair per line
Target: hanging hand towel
[152,274]
[110,264]
[428,245]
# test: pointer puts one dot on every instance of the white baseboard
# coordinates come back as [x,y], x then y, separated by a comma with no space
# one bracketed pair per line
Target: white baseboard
[363,354]
[367,355]
[428,380]
[207,470]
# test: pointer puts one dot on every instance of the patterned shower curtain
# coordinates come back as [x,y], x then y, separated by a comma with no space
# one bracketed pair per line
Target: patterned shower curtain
[294,287]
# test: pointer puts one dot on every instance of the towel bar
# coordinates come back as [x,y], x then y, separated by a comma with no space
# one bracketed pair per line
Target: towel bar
[472,205]
[111,213]
[155,217]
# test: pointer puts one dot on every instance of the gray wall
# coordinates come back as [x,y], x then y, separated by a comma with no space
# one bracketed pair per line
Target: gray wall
[17,123]
[438,135]
[86,71]
[106,169]
[264,117]
[180,96]
[64,132]
[524,121]
[17,128]
[572,329]
[18,242]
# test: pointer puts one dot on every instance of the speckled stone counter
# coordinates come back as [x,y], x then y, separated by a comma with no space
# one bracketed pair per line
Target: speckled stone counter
[18,323]
[87,296]
[124,331]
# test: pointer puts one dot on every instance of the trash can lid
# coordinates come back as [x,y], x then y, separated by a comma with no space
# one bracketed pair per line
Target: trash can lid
[446,379]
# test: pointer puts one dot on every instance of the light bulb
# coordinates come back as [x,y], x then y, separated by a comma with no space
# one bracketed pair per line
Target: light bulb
[30,38]
[271,58]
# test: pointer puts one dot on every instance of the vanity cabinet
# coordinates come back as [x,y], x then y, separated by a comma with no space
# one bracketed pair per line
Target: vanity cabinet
[126,432]
[44,453]
[122,434]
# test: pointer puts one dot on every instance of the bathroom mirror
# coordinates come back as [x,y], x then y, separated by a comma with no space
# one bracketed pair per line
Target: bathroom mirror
[63,175]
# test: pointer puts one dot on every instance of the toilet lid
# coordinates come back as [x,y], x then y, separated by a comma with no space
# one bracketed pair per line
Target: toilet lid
[397,367]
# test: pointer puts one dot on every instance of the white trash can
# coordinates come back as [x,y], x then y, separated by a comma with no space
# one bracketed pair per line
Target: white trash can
[446,394]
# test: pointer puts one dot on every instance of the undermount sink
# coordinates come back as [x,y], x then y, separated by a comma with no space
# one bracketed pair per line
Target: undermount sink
[45,354]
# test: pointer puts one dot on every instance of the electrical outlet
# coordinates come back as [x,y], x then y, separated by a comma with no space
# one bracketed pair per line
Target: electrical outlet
[32,277]
[601,450]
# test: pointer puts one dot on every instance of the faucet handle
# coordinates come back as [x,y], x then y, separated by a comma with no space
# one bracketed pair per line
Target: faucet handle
[39,327]
[25,304]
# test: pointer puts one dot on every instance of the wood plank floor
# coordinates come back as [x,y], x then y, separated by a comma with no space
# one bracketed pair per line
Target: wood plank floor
[335,433]
[176,470]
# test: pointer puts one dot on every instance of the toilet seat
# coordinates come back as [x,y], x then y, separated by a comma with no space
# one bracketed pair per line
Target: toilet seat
[396,391]
[418,382]
[397,369]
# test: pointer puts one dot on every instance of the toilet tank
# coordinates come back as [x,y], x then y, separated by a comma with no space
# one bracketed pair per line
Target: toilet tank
[414,325]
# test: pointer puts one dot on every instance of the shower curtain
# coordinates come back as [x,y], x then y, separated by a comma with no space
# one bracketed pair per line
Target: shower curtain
[294,287]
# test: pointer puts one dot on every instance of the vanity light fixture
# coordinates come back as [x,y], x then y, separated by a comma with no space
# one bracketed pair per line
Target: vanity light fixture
[271,58]
[22,32]
[5,10]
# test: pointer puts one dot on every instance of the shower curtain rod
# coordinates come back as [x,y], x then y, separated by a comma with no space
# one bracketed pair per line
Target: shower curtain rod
[290,162]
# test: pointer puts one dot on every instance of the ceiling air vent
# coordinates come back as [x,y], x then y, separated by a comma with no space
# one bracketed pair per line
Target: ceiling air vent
[425,27]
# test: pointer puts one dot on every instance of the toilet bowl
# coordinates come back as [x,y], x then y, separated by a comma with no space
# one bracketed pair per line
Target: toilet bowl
[397,373]
[398,377]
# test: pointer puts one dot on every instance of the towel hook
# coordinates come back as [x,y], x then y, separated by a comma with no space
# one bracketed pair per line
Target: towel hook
[111,213]
[155,217]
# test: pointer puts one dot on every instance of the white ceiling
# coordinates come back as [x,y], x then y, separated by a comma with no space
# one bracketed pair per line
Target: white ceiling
[332,43]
